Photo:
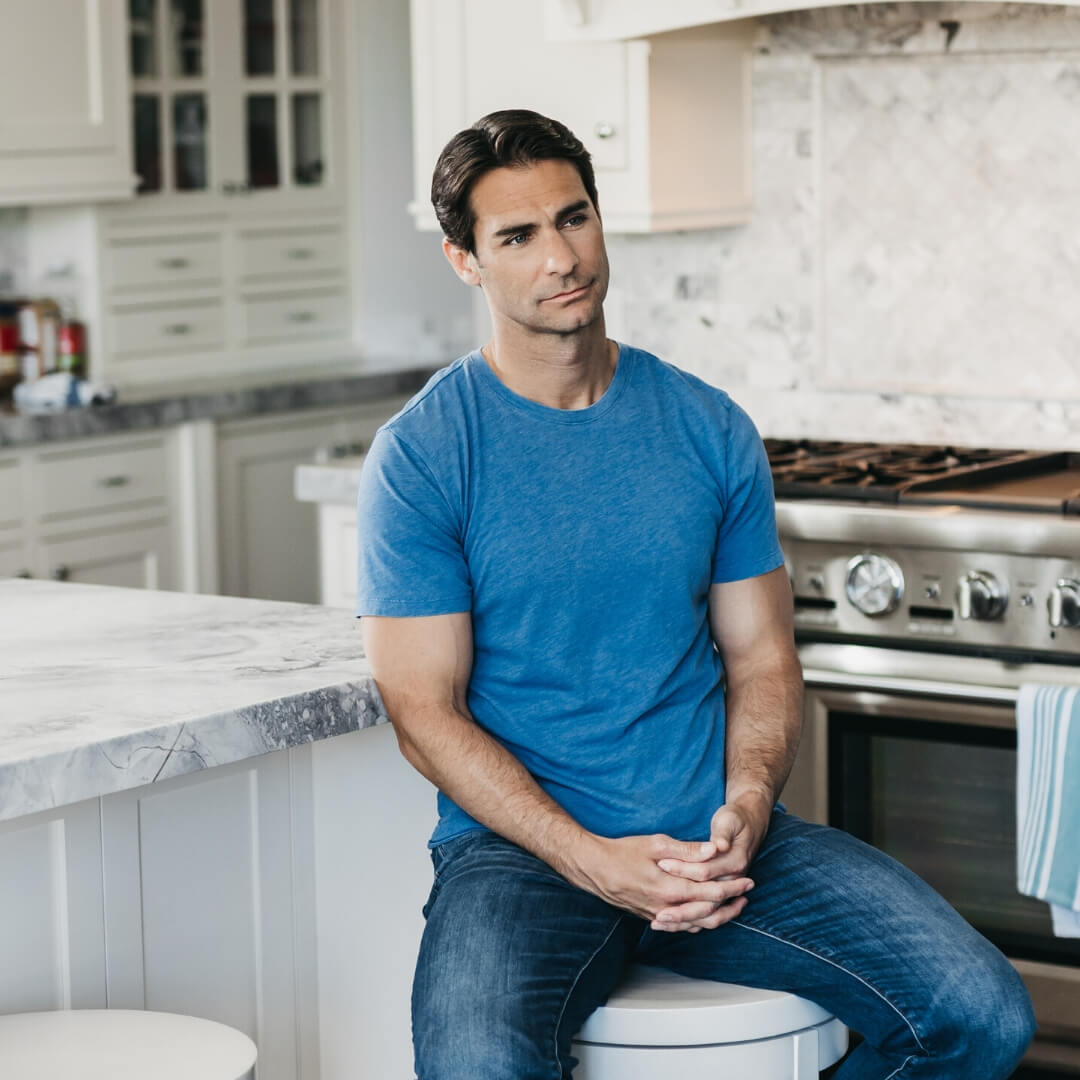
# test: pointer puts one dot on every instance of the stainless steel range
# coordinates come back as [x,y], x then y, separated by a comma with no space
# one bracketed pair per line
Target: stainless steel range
[929,583]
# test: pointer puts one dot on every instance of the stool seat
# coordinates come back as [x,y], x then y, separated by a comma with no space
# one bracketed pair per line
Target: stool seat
[655,1007]
[657,1024]
[121,1044]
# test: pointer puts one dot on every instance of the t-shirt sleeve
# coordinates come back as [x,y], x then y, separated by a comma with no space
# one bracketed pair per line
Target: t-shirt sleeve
[410,555]
[747,543]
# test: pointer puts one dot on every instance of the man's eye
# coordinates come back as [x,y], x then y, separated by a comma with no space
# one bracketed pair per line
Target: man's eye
[577,219]
[513,240]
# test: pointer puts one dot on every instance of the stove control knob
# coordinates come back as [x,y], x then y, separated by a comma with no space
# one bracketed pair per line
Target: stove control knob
[875,584]
[1064,603]
[981,596]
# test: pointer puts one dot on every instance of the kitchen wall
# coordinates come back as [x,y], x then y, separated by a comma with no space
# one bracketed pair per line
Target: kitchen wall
[912,267]
[409,303]
[14,256]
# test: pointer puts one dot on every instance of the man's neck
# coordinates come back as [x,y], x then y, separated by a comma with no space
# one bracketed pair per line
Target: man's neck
[562,373]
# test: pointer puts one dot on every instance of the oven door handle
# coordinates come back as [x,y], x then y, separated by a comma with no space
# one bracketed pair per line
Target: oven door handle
[998,695]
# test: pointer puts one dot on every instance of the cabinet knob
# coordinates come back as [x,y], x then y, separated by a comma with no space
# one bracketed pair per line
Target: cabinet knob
[300,316]
[299,253]
[177,329]
[114,481]
[61,573]
[175,263]
[604,129]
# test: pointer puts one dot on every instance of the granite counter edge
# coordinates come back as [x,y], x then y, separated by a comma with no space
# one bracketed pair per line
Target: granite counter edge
[176,749]
[30,429]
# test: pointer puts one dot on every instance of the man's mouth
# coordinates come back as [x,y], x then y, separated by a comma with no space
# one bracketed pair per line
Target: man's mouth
[572,294]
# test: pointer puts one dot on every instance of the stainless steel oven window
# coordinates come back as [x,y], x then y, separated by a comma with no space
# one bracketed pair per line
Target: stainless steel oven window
[932,783]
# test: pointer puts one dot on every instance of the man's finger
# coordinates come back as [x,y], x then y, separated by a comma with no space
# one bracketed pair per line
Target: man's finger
[706,902]
[667,847]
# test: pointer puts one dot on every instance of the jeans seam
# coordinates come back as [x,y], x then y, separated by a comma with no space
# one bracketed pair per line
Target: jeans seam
[904,1064]
[846,971]
[570,991]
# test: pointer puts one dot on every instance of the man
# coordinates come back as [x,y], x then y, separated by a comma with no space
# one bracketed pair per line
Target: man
[557,531]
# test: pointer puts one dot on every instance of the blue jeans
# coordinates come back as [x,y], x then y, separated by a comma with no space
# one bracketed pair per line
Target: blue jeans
[514,958]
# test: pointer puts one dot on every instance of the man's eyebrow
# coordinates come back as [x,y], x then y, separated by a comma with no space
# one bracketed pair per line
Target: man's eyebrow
[562,215]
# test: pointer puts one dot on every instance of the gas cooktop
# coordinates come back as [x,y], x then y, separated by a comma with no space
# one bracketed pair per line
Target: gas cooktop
[904,544]
[989,479]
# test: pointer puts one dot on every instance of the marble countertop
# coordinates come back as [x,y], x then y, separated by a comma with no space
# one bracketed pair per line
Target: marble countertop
[344,382]
[333,481]
[104,689]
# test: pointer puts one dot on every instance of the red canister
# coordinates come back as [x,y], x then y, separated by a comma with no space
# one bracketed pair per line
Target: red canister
[72,348]
[9,349]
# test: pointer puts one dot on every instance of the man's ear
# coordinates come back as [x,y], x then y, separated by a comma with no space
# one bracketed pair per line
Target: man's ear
[463,262]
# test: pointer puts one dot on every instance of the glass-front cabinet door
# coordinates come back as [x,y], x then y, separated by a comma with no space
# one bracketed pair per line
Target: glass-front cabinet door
[284,92]
[172,101]
[231,97]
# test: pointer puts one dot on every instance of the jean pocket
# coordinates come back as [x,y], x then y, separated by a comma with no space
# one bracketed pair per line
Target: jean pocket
[442,853]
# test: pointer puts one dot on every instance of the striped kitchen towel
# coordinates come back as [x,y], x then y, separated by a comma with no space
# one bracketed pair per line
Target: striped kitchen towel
[1048,800]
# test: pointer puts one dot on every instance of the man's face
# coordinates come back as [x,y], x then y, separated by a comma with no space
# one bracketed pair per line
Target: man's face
[540,255]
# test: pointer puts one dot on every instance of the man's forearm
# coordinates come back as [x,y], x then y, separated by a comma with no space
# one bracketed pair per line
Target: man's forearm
[764,718]
[465,763]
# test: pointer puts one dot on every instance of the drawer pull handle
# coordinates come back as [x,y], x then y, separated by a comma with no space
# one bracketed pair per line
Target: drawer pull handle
[604,130]
[114,481]
[61,573]
[24,574]
[175,263]
[177,329]
[300,253]
[300,316]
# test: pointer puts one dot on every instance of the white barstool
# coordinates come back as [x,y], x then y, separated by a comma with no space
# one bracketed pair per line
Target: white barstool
[121,1044]
[657,1025]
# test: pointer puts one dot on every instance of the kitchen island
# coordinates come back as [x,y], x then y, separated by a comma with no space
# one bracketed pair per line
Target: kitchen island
[204,811]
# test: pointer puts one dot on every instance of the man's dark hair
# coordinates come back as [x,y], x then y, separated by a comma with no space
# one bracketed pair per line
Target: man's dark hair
[508,138]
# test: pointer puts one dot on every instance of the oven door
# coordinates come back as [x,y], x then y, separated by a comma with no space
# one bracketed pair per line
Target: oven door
[925,770]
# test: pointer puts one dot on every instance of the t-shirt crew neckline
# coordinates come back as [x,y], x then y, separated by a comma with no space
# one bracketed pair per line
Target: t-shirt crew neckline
[546,412]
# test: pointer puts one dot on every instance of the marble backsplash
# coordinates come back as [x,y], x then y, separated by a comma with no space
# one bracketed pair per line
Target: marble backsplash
[912,266]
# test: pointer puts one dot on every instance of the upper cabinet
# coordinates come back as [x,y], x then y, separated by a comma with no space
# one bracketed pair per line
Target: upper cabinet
[666,119]
[232,255]
[232,102]
[64,126]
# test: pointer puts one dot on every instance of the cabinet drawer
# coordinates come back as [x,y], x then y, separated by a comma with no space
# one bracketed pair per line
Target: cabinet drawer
[295,315]
[10,494]
[81,481]
[177,326]
[291,251]
[165,261]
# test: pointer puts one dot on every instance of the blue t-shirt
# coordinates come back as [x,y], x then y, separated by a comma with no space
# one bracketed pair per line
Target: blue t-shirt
[583,542]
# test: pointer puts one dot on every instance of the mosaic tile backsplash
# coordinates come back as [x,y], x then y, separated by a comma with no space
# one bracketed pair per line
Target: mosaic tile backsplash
[912,267]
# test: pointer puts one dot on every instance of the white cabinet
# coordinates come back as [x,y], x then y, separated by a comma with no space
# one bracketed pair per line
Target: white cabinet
[200,892]
[52,922]
[98,511]
[138,558]
[65,135]
[233,105]
[269,540]
[199,904]
[338,553]
[666,120]
[232,254]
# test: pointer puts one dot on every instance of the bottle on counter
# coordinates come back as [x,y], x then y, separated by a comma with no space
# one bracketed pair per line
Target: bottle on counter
[71,356]
[10,373]
[39,337]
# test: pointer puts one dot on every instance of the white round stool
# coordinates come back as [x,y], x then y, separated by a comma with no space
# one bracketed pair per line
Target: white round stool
[658,1025]
[121,1044]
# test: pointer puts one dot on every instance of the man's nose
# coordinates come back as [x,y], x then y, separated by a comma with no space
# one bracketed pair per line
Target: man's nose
[560,257]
